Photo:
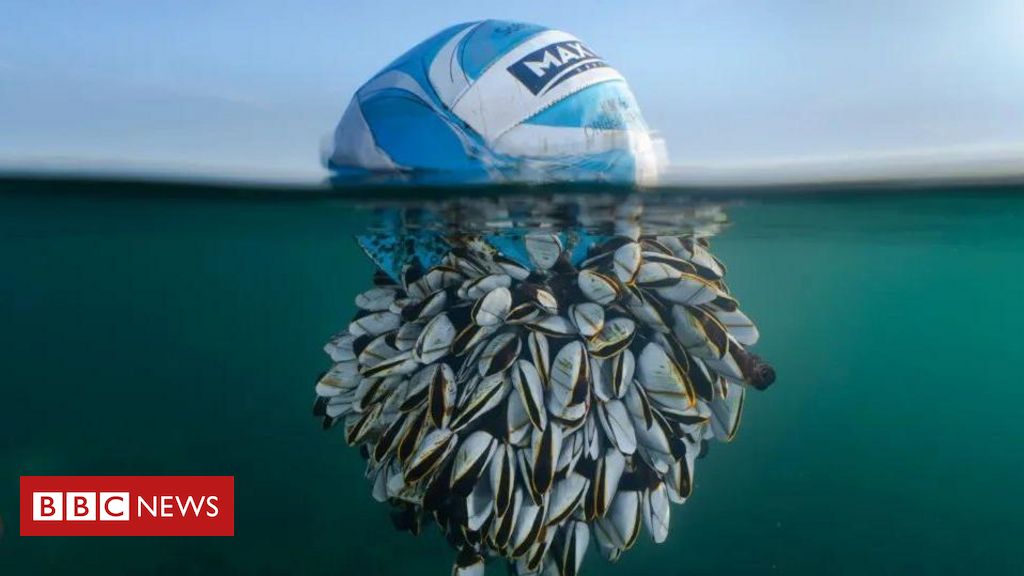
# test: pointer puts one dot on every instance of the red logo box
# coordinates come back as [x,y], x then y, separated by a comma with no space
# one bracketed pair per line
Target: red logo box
[127,505]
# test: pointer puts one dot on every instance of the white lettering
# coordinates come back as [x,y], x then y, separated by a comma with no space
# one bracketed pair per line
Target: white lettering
[540,68]
[211,502]
[567,55]
[190,503]
[145,504]
[167,506]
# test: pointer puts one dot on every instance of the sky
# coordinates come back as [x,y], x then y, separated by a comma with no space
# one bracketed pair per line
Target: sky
[736,87]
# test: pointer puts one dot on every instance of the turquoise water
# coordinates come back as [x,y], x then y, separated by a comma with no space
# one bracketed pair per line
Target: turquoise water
[178,330]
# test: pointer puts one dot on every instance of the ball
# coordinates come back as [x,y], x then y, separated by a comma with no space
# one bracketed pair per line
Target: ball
[497,101]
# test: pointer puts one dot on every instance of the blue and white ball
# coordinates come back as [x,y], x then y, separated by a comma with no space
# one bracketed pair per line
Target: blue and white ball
[497,101]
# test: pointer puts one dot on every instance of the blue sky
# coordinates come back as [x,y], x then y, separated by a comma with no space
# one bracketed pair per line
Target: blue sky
[251,87]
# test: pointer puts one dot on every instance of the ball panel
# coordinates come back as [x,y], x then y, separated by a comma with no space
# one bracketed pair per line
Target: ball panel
[353,144]
[491,40]
[413,134]
[605,106]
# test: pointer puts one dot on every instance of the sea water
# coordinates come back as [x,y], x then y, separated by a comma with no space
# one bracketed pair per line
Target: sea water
[178,329]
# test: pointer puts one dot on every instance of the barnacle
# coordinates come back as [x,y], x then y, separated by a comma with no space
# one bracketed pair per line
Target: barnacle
[537,392]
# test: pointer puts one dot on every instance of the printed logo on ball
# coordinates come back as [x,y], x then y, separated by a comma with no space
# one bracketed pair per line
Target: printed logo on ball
[543,69]
[127,505]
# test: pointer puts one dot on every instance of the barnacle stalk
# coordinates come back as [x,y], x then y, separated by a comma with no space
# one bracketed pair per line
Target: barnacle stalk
[534,390]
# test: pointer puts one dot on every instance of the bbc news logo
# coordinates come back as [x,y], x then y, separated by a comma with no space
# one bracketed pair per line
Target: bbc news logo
[117,506]
[127,506]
